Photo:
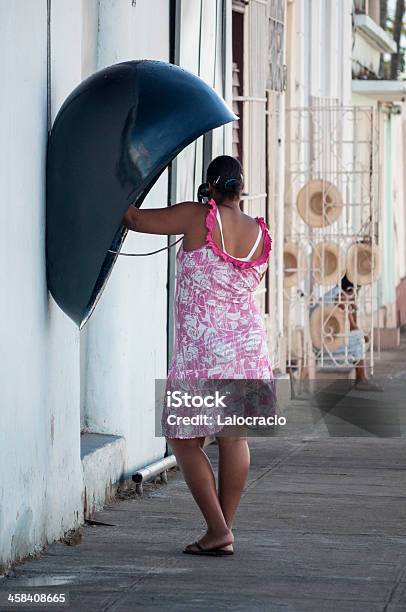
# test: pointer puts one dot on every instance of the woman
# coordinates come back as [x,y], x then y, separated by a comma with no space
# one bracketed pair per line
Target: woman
[345,295]
[219,334]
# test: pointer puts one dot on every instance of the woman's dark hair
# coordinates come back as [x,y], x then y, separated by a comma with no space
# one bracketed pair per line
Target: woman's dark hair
[225,174]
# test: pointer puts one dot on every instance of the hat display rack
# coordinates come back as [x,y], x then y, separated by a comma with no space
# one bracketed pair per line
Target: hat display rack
[331,228]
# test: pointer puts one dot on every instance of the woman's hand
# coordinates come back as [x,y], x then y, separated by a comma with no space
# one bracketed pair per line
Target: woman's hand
[170,221]
[348,304]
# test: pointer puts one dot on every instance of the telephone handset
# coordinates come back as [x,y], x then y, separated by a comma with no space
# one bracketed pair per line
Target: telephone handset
[203,193]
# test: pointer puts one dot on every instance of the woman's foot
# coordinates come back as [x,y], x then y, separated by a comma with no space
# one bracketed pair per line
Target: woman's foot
[214,540]
[364,384]
[198,549]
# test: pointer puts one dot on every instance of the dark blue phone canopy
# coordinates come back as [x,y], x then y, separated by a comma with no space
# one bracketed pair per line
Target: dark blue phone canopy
[112,138]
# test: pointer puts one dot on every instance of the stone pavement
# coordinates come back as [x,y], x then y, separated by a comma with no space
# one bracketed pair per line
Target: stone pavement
[321,527]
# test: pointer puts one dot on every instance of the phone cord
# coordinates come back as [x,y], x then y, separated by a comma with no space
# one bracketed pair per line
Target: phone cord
[146,254]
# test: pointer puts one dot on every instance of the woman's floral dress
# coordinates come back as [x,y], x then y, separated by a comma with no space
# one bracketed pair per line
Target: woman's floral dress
[219,332]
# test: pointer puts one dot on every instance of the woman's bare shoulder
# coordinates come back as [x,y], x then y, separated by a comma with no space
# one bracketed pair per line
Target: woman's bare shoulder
[193,206]
[248,219]
[198,209]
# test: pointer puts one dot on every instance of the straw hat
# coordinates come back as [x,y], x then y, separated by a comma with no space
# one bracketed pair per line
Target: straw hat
[329,332]
[319,203]
[328,263]
[292,263]
[363,263]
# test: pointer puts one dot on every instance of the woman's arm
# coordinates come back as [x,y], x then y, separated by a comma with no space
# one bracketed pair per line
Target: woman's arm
[351,308]
[171,220]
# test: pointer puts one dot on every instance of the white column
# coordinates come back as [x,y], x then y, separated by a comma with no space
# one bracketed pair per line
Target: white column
[125,339]
[39,375]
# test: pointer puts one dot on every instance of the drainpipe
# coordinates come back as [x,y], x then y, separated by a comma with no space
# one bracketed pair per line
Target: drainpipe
[149,472]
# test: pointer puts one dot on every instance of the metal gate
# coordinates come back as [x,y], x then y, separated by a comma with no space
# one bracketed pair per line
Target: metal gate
[331,229]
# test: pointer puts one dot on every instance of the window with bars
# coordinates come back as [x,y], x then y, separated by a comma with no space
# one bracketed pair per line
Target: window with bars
[238,79]
[277,73]
[237,108]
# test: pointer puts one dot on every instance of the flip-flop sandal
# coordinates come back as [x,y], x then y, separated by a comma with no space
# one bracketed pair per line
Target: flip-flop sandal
[217,551]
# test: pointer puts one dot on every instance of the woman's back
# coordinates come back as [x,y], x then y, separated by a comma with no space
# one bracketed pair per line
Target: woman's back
[238,229]
[209,271]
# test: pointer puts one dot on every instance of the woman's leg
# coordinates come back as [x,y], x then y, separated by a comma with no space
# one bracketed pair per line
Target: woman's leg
[356,344]
[199,477]
[234,462]
[361,371]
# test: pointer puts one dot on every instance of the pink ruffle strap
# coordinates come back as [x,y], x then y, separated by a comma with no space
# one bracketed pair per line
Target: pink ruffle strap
[210,223]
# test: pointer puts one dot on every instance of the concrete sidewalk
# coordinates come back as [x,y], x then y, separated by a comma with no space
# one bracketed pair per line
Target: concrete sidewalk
[322,526]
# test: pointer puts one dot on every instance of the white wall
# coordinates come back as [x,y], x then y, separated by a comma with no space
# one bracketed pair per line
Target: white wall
[206,61]
[367,56]
[322,50]
[392,209]
[124,342]
[41,477]
[399,191]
